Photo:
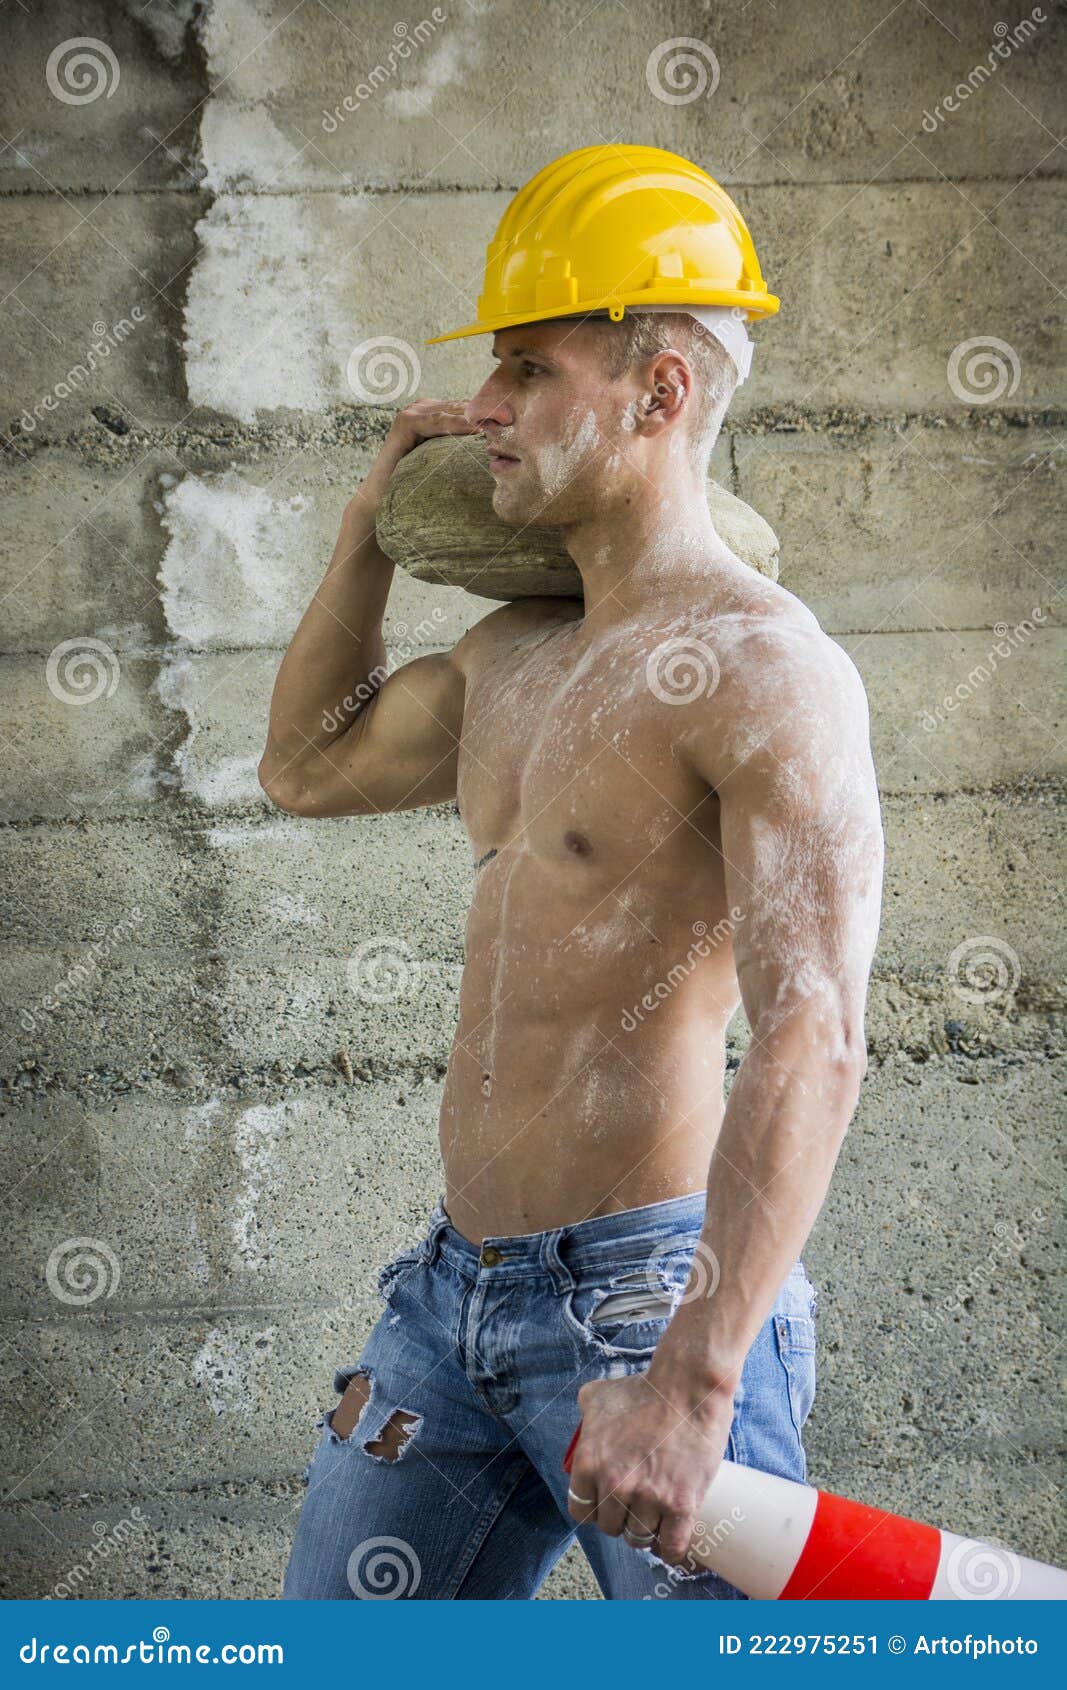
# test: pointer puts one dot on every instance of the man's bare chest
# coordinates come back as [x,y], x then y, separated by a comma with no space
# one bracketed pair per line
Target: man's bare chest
[572,752]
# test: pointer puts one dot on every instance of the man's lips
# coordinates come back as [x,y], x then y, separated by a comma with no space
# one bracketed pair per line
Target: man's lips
[500,460]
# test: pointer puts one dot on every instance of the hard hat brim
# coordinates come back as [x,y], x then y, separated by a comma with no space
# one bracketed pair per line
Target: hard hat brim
[756,305]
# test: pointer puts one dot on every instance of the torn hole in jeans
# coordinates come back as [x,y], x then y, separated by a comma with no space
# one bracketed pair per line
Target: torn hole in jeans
[394,1436]
[632,1298]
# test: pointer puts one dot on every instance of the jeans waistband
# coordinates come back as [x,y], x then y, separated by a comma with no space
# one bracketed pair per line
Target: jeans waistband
[564,1250]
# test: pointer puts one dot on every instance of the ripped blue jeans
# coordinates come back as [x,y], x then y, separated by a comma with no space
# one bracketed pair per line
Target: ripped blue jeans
[475,1364]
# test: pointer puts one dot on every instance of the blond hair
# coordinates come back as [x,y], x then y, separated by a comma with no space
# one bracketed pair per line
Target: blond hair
[643,334]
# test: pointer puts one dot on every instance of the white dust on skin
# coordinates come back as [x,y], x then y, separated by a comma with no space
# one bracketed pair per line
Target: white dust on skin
[812,852]
[557,462]
[812,901]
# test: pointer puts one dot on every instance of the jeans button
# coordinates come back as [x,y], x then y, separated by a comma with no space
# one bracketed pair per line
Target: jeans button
[490,1257]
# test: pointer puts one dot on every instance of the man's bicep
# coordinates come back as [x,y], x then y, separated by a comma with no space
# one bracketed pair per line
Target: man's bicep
[804,881]
[400,752]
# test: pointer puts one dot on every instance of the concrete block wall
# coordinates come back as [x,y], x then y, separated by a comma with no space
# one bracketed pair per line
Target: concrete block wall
[196,1078]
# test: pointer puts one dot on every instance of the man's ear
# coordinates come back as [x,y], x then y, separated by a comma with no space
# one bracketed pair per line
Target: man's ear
[670,387]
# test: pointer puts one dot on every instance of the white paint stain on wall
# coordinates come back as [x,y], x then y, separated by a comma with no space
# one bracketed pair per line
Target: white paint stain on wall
[436,72]
[267,323]
[215,780]
[243,149]
[228,566]
[197,1122]
[257,1140]
[226,1363]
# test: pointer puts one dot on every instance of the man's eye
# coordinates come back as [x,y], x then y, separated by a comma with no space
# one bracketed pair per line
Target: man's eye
[531,370]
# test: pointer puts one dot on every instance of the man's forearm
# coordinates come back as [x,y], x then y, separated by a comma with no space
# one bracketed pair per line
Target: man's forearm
[785,1120]
[337,654]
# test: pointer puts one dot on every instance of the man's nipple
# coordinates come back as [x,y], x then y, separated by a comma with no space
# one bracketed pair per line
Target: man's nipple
[577,842]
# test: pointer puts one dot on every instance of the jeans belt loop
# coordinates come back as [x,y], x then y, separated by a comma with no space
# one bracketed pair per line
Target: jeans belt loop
[552,1261]
[438,1223]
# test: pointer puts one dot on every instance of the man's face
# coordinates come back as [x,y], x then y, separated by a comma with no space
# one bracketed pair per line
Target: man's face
[552,410]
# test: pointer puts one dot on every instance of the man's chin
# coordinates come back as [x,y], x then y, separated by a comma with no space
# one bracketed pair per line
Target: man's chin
[515,507]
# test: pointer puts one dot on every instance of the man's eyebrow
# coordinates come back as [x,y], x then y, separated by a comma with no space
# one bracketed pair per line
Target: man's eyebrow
[526,352]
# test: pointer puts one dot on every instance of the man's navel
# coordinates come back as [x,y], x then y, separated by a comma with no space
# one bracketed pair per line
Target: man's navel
[577,842]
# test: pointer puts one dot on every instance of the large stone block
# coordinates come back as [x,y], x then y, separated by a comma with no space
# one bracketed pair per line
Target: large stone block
[85,733]
[966,869]
[149,1205]
[962,711]
[105,886]
[292,884]
[230,1545]
[934,1258]
[150,1405]
[106,1012]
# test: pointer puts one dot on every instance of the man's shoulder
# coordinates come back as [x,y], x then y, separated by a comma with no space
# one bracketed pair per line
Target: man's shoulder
[776,647]
[776,680]
[510,621]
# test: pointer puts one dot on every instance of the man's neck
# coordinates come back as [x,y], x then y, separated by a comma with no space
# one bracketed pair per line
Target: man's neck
[631,556]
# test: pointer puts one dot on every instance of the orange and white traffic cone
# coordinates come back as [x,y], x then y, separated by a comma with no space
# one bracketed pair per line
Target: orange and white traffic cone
[777,1540]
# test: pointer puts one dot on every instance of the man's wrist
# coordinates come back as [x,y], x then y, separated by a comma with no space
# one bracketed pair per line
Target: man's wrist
[690,1376]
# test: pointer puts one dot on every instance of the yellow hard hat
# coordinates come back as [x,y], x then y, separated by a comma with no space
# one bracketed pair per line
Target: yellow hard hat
[615,228]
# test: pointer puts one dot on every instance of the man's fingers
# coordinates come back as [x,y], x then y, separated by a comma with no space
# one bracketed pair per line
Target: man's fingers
[611,1515]
[642,1525]
[582,1497]
[674,1537]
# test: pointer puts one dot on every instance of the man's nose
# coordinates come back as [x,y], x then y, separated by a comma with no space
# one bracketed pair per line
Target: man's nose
[491,403]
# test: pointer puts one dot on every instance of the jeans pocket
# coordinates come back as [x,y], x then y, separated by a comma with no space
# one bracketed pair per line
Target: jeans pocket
[394,1272]
[795,1338]
[624,1314]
